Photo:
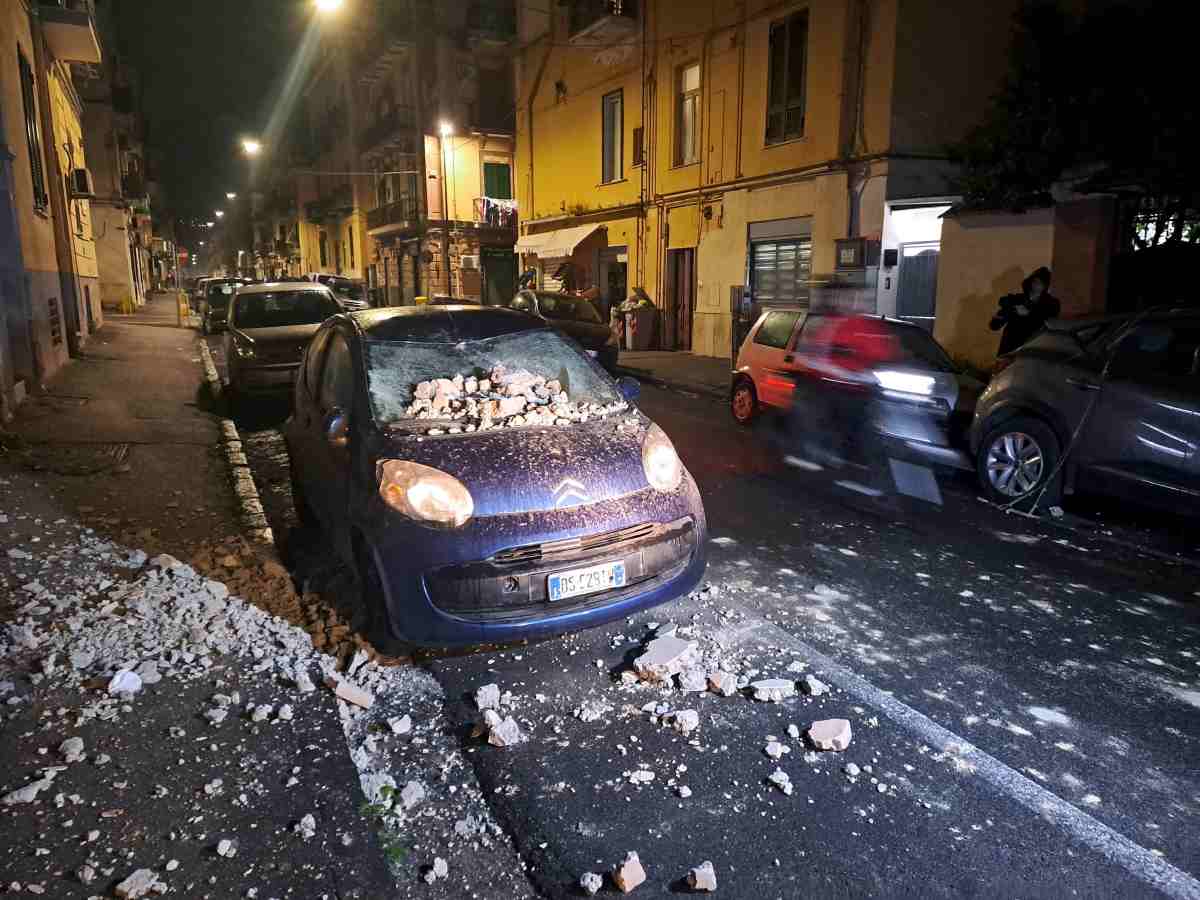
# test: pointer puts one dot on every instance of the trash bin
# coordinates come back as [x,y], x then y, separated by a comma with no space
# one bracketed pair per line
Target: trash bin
[639,328]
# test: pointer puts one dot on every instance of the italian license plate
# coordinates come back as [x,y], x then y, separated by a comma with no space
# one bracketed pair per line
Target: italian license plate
[591,580]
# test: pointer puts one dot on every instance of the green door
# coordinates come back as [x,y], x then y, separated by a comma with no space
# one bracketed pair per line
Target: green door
[499,276]
[497,181]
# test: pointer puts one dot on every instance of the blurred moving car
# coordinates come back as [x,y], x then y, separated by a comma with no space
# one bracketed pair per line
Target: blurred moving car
[351,293]
[573,316]
[269,326]
[488,535]
[1115,401]
[930,401]
[214,302]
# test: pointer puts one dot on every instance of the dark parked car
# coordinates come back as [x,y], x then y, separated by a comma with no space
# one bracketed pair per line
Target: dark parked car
[574,316]
[350,292]
[930,402]
[1122,395]
[214,302]
[485,535]
[269,327]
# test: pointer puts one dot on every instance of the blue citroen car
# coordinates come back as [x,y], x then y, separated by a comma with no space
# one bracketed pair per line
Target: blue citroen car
[465,531]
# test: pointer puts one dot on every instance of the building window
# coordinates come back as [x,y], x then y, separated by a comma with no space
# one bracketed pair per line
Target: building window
[638,151]
[323,249]
[687,115]
[785,92]
[350,244]
[497,181]
[612,125]
[33,134]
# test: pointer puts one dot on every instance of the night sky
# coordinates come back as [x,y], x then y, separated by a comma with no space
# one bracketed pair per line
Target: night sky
[211,70]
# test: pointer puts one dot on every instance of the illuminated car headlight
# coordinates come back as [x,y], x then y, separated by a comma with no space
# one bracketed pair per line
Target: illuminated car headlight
[905,382]
[660,461]
[425,494]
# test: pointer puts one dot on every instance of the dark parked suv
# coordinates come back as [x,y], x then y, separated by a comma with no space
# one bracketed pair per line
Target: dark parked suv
[1104,405]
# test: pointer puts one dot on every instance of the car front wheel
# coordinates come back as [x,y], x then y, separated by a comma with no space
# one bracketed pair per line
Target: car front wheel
[1017,463]
[743,403]
[373,598]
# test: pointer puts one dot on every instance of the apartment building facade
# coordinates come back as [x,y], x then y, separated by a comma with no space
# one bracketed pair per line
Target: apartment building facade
[49,277]
[725,157]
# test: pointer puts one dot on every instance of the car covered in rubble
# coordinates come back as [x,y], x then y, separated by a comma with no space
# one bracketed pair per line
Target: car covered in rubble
[486,478]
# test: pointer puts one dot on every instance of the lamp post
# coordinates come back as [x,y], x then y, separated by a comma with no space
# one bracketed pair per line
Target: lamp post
[445,130]
[230,195]
[251,146]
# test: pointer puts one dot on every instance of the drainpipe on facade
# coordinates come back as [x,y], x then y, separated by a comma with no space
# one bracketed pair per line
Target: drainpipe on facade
[64,248]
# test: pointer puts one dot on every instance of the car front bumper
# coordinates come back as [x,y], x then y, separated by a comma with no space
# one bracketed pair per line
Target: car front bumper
[487,582]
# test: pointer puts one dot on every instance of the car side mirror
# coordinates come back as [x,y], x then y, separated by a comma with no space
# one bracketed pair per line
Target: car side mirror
[337,429]
[630,388]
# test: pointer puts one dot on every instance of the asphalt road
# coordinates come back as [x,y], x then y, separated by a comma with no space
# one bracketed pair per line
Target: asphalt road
[1028,691]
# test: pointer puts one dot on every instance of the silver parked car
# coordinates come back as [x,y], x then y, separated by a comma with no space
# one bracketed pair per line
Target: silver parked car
[1107,406]
[269,325]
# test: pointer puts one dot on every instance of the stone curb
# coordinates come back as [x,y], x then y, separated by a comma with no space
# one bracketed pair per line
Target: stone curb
[649,377]
[250,507]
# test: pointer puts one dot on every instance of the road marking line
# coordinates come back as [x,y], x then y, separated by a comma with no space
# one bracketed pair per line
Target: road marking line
[1109,843]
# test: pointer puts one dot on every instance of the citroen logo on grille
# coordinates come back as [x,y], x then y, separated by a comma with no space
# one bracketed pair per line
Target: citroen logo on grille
[570,493]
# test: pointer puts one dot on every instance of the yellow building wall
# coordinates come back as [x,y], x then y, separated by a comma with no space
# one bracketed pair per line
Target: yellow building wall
[68,131]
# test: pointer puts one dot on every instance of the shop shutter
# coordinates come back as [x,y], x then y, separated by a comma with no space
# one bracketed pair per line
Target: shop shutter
[549,282]
[780,271]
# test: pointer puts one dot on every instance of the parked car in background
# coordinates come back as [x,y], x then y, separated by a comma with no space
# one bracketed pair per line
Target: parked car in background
[214,302]
[499,533]
[927,402]
[573,316]
[1109,405]
[269,326]
[351,293]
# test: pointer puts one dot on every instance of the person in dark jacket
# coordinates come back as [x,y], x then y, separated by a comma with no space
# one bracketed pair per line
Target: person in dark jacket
[1023,315]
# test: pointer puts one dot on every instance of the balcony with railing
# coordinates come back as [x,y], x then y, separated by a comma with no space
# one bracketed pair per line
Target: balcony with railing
[133,186]
[392,130]
[603,21]
[500,215]
[399,215]
[390,30]
[70,31]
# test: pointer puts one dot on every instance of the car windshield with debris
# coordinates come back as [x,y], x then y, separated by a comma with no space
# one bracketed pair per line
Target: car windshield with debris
[280,309]
[527,378]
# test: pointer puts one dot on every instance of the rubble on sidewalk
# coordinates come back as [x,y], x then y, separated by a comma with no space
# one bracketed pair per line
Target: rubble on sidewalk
[664,658]
[703,877]
[829,734]
[773,690]
[629,874]
[139,884]
[590,883]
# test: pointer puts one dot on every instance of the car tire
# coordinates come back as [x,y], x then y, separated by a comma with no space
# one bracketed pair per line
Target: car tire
[377,626]
[204,326]
[1015,460]
[743,401]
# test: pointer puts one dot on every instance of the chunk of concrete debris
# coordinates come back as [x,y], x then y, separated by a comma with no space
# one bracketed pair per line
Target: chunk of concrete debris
[773,690]
[722,683]
[125,681]
[813,686]
[439,869]
[693,680]
[664,658]
[684,791]
[793,732]
[590,883]
[703,877]
[776,750]
[307,826]
[216,715]
[261,712]
[629,874]
[592,710]
[505,734]
[852,771]
[400,724]
[86,874]
[226,848]
[71,749]
[830,734]
[81,659]
[29,792]
[139,884]
[303,683]
[411,794]
[285,713]
[780,779]
[488,697]
[351,692]
[685,721]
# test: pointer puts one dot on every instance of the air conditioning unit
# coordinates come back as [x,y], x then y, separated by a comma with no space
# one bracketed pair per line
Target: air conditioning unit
[81,184]
[470,261]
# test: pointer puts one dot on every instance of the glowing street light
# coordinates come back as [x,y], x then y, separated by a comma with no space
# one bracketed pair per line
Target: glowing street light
[230,195]
[251,147]
[209,224]
[445,129]
[202,243]
[328,6]
[219,213]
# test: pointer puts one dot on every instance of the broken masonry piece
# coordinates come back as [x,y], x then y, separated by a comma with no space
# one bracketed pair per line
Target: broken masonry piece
[829,734]
[703,877]
[629,874]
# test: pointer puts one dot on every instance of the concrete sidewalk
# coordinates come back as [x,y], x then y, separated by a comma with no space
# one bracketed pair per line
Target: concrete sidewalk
[708,375]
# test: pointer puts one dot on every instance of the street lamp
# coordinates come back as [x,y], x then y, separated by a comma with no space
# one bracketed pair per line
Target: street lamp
[230,195]
[328,6]
[445,129]
[251,147]
[219,213]
[201,243]
[209,224]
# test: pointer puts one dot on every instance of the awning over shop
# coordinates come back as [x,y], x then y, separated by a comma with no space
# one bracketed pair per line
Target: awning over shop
[555,244]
